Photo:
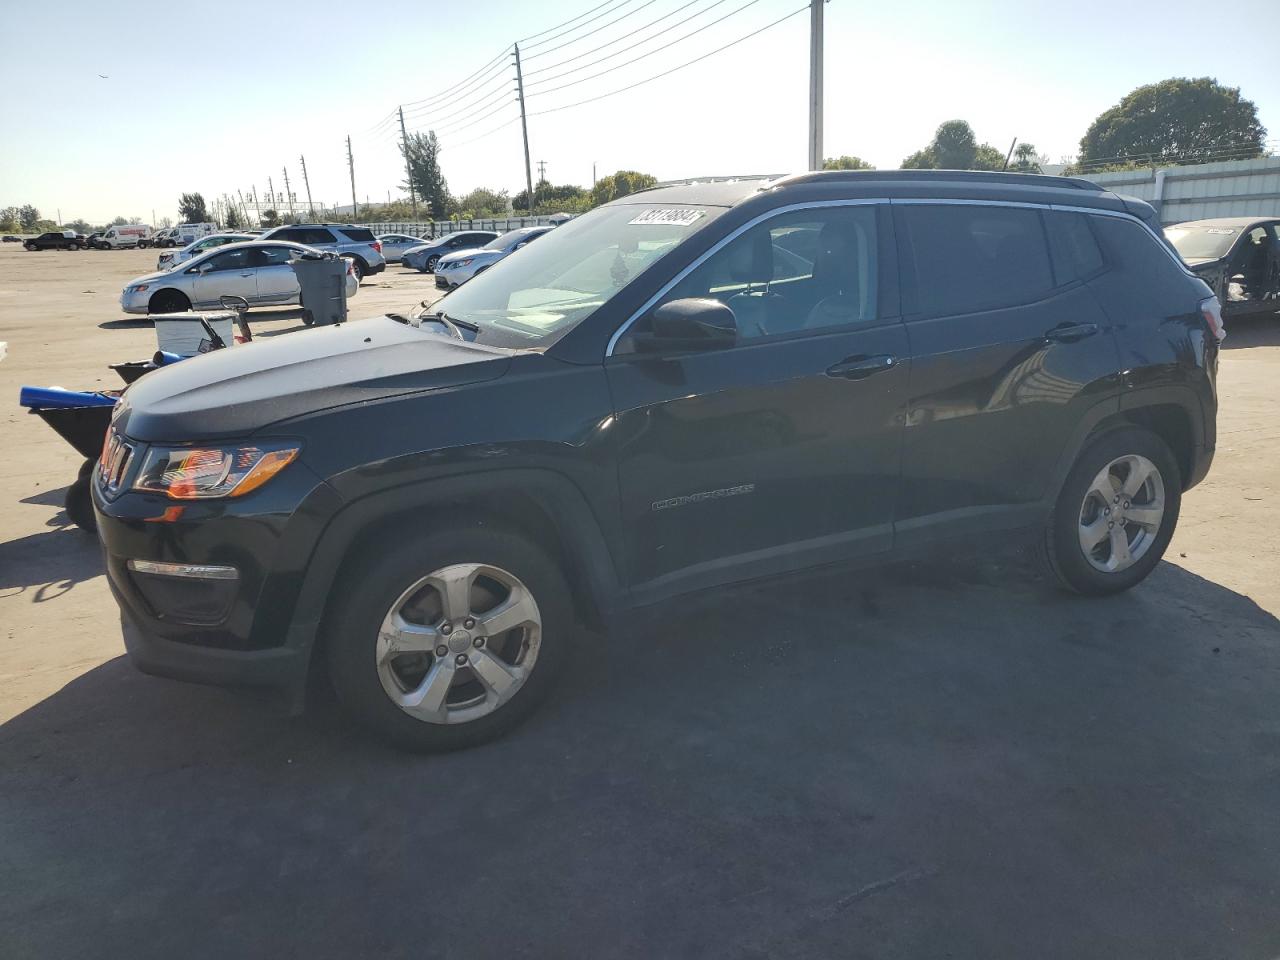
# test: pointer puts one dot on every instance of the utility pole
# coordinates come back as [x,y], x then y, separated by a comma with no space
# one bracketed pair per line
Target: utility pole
[311,207]
[408,171]
[351,166]
[524,128]
[271,195]
[288,194]
[1009,156]
[815,84]
[257,207]
[593,174]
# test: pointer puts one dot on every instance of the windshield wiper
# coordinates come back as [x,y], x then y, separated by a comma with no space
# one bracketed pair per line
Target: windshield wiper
[451,324]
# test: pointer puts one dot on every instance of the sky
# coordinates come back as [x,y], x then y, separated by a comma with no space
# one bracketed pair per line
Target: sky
[217,98]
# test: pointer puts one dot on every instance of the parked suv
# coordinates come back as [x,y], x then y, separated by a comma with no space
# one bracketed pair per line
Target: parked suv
[358,243]
[693,385]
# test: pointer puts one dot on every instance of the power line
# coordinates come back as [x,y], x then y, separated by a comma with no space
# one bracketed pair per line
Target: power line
[480,103]
[590,33]
[610,43]
[616,8]
[472,123]
[497,129]
[643,56]
[665,73]
[567,22]
[464,85]
[461,83]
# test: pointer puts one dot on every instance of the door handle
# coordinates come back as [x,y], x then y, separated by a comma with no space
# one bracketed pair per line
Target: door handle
[861,367]
[1071,332]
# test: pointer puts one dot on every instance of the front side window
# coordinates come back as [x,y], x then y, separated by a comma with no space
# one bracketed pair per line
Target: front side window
[973,257]
[803,271]
[230,260]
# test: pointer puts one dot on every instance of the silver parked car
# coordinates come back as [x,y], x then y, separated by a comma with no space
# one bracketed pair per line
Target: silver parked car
[394,245]
[456,268]
[175,257]
[345,239]
[423,258]
[258,270]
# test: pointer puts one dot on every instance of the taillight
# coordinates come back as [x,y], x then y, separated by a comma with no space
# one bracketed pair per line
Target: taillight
[377,245]
[1211,309]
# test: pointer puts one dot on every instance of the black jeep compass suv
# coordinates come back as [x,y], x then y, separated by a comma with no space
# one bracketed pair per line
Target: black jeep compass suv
[697,384]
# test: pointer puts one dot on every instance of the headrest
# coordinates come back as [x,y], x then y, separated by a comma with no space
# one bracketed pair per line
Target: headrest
[751,258]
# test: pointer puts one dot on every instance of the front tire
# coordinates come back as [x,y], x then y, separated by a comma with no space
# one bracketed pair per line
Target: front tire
[1115,514]
[430,265]
[73,246]
[450,640]
[169,301]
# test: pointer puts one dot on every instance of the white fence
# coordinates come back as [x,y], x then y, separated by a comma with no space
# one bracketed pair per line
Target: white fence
[437,228]
[1202,191]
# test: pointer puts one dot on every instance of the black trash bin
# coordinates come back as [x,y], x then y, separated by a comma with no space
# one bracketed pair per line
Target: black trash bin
[323,279]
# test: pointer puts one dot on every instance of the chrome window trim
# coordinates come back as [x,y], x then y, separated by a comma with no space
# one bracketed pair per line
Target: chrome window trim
[894,201]
[720,244]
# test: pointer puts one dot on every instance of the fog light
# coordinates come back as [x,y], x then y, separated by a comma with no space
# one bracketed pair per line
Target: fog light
[186,592]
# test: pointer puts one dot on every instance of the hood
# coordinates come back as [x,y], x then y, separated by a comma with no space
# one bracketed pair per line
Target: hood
[146,277]
[234,392]
[468,254]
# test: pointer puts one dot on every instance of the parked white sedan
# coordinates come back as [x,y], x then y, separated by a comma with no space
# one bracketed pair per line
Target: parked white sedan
[172,258]
[259,271]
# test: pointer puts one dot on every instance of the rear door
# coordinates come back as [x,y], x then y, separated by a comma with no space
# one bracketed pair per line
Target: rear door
[781,451]
[277,283]
[1009,349]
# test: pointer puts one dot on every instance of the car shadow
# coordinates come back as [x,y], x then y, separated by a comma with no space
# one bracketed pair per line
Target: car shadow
[50,563]
[950,754]
[1256,331]
[126,323]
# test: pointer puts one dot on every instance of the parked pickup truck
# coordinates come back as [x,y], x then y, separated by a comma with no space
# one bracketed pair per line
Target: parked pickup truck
[57,240]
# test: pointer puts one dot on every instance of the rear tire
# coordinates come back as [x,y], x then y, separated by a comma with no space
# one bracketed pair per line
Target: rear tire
[30,246]
[1126,524]
[73,246]
[169,301]
[360,267]
[391,587]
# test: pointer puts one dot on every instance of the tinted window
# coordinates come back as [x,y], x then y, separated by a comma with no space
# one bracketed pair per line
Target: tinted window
[273,256]
[800,271]
[358,234]
[1075,249]
[1147,264]
[971,257]
[231,260]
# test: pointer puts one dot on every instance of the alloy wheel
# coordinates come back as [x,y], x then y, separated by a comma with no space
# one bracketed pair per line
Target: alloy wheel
[459,643]
[1122,512]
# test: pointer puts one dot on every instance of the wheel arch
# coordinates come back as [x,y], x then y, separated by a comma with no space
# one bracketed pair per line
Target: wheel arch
[545,507]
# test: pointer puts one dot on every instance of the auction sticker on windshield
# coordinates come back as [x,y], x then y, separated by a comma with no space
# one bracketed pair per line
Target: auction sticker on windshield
[678,218]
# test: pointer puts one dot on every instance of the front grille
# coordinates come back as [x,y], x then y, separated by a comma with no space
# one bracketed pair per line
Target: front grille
[115,463]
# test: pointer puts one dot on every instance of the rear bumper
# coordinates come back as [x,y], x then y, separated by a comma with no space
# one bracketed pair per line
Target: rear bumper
[376,268]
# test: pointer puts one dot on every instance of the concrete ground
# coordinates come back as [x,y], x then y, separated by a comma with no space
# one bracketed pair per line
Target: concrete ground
[942,760]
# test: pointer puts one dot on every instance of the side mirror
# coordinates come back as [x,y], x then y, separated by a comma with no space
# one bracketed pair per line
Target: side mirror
[688,325]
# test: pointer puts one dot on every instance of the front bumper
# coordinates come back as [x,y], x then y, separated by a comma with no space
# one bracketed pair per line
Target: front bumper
[248,632]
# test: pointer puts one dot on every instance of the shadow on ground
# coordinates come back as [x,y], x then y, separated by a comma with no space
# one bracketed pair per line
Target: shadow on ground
[938,760]
[1261,331]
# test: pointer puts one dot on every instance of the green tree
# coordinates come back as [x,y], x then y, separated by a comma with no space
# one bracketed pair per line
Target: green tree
[421,152]
[846,162]
[118,222]
[1026,160]
[29,217]
[1175,121]
[234,221]
[482,202]
[270,218]
[79,225]
[955,147]
[192,209]
[567,198]
[620,184]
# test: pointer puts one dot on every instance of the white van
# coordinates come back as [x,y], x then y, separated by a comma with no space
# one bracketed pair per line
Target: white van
[191,232]
[123,237]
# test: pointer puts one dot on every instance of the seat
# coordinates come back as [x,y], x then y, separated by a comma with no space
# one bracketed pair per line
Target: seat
[835,277]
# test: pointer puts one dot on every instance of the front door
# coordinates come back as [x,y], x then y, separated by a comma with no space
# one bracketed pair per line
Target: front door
[783,450]
[277,283]
[229,273]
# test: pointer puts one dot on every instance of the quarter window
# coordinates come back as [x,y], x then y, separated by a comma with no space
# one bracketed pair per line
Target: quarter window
[972,257]
[1075,251]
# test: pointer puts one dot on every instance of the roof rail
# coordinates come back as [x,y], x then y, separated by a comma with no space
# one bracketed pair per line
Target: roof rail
[972,176]
[685,181]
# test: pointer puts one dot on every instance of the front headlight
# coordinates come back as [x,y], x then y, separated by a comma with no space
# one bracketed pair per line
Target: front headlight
[203,473]
[462,263]
[139,288]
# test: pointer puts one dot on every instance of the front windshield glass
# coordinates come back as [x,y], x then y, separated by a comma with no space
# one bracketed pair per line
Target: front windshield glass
[542,291]
[1207,242]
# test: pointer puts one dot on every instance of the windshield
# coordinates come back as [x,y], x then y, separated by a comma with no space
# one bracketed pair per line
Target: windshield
[1206,242]
[537,295]
[508,239]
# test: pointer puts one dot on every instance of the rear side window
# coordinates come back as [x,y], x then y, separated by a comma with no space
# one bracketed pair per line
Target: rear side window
[358,234]
[972,257]
[1137,251]
[1076,255]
